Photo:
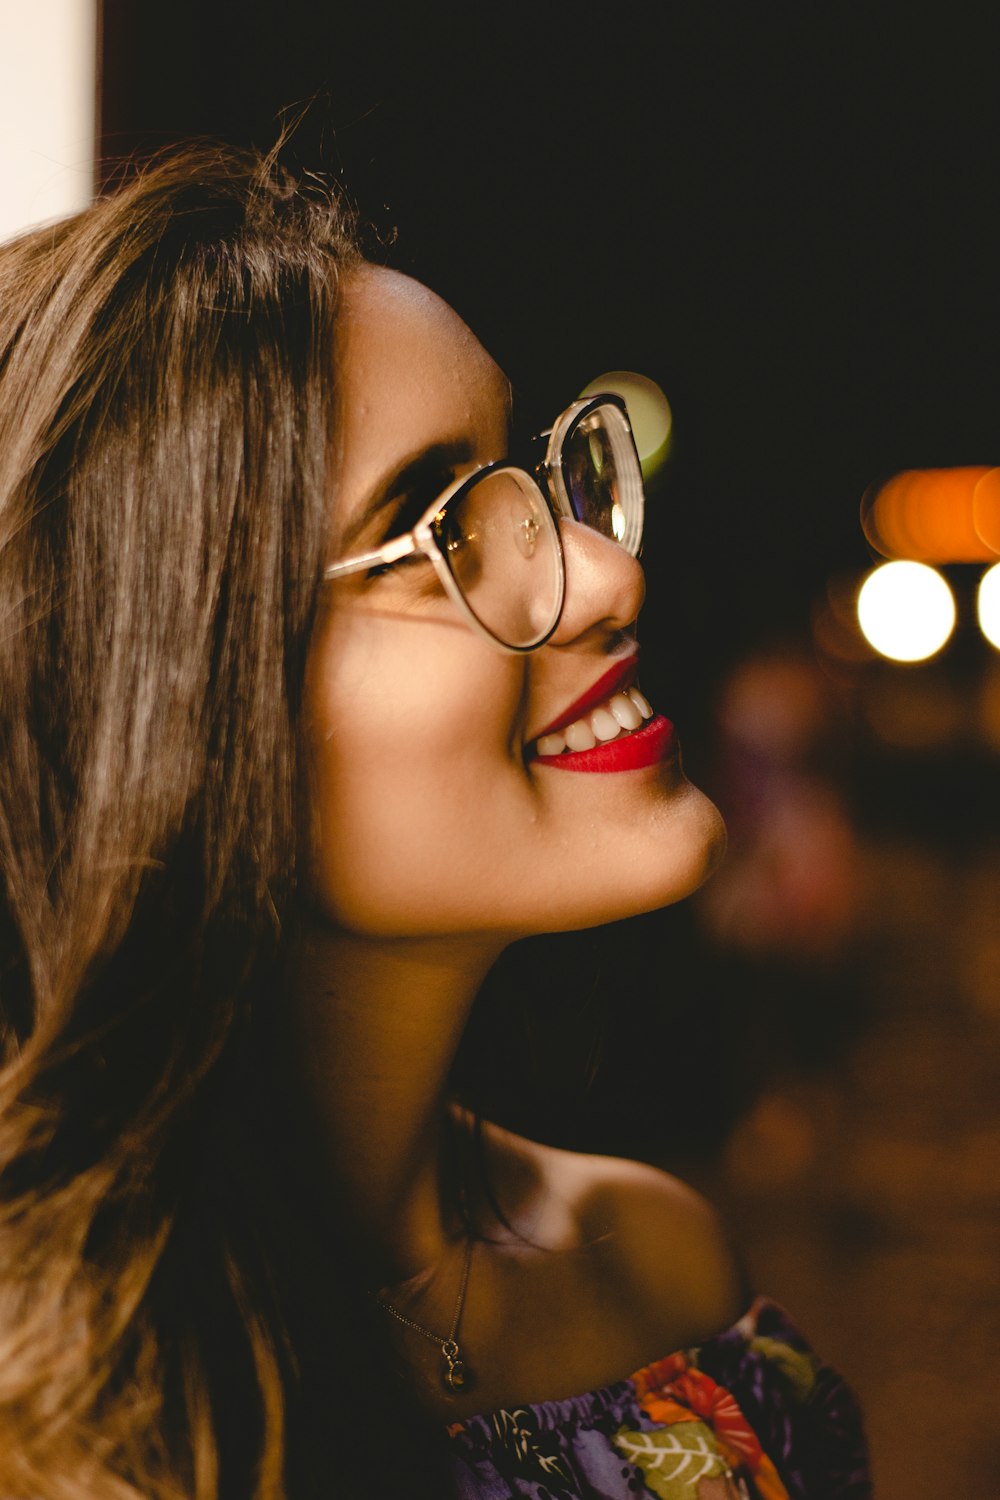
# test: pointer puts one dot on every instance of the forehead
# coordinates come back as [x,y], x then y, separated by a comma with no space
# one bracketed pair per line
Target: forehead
[409,374]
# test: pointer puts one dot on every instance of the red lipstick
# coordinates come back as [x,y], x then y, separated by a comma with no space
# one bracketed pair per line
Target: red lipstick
[655,741]
[615,680]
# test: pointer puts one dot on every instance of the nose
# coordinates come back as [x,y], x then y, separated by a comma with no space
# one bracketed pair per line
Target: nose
[605,585]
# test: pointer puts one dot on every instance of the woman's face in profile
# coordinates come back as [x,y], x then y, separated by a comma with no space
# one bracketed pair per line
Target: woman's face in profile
[431,811]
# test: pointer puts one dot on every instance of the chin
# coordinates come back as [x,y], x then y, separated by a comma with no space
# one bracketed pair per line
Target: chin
[640,863]
[682,851]
[715,839]
[678,855]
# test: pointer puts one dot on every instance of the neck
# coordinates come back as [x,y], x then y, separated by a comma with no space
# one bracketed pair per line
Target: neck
[377,1025]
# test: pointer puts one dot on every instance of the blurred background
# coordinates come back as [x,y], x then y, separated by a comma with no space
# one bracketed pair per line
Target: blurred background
[785,216]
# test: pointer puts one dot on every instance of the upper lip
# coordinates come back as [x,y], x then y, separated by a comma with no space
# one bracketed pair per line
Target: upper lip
[615,680]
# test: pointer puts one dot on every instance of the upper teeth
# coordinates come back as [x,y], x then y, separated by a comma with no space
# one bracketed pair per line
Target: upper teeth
[624,711]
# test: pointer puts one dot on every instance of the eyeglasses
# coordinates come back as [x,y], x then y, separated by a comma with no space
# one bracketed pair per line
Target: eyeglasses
[493,537]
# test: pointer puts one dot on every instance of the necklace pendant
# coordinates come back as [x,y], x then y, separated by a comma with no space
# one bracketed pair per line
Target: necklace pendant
[455,1376]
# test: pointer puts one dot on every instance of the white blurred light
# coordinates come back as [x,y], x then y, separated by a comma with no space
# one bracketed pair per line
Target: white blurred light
[906,610]
[648,412]
[48,109]
[988,605]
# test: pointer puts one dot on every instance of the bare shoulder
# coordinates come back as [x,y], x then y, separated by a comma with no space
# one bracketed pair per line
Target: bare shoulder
[661,1248]
[668,1252]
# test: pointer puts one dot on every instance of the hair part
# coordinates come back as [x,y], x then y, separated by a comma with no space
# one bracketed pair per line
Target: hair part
[166,398]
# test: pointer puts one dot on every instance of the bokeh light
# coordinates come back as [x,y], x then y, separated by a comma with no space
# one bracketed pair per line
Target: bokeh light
[906,610]
[988,605]
[649,413]
[837,635]
[934,515]
[986,509]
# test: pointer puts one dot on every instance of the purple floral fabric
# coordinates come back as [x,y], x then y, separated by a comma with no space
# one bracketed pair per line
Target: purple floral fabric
[749,1415]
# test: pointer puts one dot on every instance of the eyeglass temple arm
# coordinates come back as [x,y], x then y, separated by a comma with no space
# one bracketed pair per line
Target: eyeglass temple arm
[391,552]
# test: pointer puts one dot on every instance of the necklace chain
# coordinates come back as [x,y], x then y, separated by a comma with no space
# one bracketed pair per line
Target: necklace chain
[455,1374]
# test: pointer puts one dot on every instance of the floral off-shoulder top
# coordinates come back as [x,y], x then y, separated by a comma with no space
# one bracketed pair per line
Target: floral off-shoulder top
[749,1415]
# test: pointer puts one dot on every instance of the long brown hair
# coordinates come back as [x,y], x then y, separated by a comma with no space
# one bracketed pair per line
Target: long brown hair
[166,372]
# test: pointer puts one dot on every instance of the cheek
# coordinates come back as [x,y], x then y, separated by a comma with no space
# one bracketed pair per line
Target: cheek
[404,736]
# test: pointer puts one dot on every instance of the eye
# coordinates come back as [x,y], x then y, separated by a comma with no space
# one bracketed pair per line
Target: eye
[417,501]
[412,505]
[381,569]
[402,565]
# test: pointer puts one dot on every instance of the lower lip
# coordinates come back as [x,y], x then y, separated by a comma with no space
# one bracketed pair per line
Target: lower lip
[649,745]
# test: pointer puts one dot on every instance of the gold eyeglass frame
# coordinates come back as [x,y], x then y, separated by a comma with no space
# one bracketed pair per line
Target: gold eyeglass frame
[556,503]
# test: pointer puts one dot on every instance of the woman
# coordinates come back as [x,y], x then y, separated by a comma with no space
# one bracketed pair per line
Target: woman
[313,702]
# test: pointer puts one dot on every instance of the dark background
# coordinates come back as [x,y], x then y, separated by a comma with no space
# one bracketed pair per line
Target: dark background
[787,216]
[784,213]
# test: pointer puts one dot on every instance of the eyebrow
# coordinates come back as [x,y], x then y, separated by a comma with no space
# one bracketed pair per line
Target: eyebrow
[413,470]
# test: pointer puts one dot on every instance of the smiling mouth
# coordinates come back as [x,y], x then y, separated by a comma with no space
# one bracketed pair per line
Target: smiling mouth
[616,718]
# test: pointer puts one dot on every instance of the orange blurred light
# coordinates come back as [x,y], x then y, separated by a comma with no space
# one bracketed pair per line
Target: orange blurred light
[935,515]
[986,509]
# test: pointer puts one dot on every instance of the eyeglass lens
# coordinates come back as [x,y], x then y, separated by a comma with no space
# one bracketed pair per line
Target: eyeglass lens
[500,540]
[501,545]
[602,476]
